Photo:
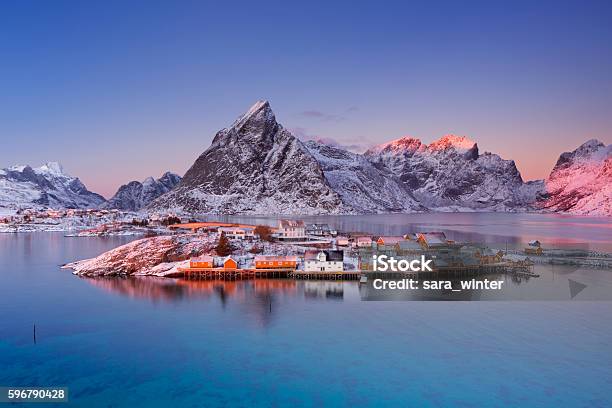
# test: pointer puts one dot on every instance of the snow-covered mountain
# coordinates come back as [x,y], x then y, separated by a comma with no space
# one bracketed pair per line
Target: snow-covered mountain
[136,195]
[254,167]
[362,186]
[450,174]
[581,181]
[45,186]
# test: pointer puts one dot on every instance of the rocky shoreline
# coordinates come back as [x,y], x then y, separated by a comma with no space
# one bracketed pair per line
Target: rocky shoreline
[162,255]
[148,256]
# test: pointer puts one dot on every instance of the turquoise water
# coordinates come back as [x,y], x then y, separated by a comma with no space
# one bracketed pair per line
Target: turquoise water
[150,343]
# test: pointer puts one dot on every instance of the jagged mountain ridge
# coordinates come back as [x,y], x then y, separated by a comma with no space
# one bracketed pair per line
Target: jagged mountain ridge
[362,186]
[136,195]
[254,167]
[258,167]
[451,174]
[45,186]
[581,181]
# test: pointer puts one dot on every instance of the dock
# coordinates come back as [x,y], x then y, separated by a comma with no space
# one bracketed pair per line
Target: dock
[442,272]
[345,275]
[233,274]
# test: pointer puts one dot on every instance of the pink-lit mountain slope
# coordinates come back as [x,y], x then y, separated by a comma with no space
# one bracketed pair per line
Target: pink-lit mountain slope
[451,175]
[581,181]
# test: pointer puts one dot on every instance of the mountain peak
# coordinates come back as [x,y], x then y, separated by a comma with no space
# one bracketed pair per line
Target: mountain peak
[52,167]
[44,186]
[254,167]
[590,146]
[135,195]
[590,151]
[580,181]
[403,144]
[18,167]
[259,112]
[459,143]
[591,143]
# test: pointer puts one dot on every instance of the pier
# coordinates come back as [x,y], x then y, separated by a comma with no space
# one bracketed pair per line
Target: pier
[253,273]
[345,275]
[233,274]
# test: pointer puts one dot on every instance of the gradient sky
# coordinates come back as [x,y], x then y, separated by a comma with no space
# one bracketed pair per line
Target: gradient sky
[120,90]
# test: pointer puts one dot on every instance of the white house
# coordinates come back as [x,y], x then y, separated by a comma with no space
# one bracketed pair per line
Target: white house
[294,230]
[236,232]
[324,261]
[321,230]
[363,242]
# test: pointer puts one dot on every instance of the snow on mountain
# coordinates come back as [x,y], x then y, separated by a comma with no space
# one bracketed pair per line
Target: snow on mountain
[581,181]
[45,186]
[254,167]
[136,195]
[450,174]
[362,186]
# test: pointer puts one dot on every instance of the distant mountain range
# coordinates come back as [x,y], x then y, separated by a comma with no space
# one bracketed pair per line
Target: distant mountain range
[49,186]
[45,186]
[135,195]
[256,166]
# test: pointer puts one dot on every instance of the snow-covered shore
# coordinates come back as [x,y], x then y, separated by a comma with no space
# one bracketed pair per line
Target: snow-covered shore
[162,255]
[147,256]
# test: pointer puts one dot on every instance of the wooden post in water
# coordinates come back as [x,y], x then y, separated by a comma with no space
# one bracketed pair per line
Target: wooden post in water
[34,333]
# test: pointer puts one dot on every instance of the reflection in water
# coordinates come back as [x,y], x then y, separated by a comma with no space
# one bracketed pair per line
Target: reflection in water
[165,289]
[258,299]
[324,290]
[273,344]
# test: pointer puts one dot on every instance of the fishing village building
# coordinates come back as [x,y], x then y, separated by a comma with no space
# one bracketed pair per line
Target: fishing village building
[237,232]
[432,239]
[321,230]
[291,230]
[323,261]
[206,261]
[342,241]
[275,262]
[363,242]
[389,240]
[229,263]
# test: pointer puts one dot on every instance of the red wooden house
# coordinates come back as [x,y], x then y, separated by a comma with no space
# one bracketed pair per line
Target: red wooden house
[275,262]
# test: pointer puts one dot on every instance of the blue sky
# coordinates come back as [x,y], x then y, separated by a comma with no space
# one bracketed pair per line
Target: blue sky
[122,90]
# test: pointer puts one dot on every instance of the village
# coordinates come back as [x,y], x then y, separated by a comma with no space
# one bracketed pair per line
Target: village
[293,248]
[87,222]
[319,251]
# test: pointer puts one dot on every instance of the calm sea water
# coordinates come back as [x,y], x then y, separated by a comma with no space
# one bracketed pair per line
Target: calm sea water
[148,342]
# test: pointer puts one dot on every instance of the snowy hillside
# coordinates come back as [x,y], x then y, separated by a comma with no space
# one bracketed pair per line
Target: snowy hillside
[362,186]
[581,181]
[254,167]
[45,186]
[450,174]
[136,195]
